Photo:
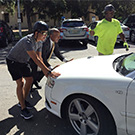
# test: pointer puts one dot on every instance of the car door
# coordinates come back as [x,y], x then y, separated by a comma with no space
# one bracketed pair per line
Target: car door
[130,114]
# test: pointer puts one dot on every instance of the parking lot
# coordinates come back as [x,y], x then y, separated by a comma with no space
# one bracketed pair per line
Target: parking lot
[43,123]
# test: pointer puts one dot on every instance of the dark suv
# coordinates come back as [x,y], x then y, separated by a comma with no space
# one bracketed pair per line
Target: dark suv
[130,22]
[6,34]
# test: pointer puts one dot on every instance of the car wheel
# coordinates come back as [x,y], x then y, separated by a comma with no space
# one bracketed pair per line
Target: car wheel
[60,43]
[85,43]
[4,42]
[89,117]
[95,39]
[132,36]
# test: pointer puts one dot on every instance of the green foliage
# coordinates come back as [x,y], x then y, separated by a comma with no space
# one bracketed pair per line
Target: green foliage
[10,4]
[78,8]
[123,7]
[55,9]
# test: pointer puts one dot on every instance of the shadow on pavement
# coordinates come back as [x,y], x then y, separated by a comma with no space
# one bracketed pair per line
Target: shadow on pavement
[3,54]
[72,45]
[43,122]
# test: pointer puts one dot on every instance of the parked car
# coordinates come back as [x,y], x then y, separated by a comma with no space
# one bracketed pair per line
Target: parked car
[98,99]
[6,34]
[130,22]
[74,30]
[125,29]
[93,38]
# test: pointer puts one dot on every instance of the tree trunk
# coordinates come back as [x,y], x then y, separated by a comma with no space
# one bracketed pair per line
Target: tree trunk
[28,14]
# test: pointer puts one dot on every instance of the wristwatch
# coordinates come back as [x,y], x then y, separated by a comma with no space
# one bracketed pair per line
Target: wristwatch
[49,72]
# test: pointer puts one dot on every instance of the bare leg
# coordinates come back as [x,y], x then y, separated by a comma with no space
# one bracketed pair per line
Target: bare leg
[19,91]
[27,86]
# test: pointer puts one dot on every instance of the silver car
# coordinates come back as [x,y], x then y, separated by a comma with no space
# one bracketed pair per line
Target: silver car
[74,29]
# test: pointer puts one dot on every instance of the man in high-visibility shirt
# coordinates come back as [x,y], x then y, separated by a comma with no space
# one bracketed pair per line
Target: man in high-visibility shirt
[107,31]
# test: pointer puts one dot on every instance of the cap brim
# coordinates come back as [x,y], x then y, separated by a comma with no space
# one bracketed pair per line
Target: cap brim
[108,10]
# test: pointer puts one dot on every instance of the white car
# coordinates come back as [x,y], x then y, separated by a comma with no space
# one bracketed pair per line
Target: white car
[125,29]
[96,94]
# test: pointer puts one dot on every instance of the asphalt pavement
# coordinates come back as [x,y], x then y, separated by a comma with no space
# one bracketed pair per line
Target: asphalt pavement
[43,122]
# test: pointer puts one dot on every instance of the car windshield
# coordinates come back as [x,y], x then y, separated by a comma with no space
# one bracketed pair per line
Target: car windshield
[125,64]
[73,24]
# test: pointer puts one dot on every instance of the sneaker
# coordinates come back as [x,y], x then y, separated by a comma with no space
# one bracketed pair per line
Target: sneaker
[26,114]
[37,85]
[28,105]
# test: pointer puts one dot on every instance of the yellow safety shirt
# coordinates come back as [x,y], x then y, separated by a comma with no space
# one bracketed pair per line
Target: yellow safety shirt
[107,33]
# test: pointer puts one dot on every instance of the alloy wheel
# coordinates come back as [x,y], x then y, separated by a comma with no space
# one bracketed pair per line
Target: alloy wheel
[83,117]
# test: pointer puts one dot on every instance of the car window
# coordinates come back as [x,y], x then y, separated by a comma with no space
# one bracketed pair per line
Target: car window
[129,63]
[129,20]
[73,23]
[126,64]
[125,21]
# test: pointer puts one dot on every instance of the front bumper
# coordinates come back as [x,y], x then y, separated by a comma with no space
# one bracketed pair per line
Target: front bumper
[51,104]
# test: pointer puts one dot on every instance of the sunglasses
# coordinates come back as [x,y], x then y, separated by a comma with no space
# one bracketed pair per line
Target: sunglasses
[44,33]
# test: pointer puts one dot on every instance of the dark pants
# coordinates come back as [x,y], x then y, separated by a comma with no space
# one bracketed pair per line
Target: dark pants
[37,75]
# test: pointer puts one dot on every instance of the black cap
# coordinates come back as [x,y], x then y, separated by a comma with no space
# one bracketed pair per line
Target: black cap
[40,26]
[109,7]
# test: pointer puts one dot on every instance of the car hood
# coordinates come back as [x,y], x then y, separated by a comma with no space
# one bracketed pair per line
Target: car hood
[90,67]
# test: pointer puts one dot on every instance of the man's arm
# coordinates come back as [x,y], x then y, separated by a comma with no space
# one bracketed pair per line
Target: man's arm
[39,55]
[93,26]
[40,63]
[59,55]
[57,52]
[122,36]
[92,32]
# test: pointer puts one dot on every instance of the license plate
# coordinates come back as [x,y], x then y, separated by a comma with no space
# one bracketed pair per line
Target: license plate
[74,31]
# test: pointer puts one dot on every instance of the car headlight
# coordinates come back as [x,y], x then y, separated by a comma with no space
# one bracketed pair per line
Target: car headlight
[50,82]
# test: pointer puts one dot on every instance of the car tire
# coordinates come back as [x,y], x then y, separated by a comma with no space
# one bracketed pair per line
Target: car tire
[88,116]
[4,42]
[132,36]
[85,42]
[95,39]
[60,43]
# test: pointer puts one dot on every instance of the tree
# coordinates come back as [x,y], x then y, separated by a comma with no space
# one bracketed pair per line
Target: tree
[78,8]
[123,8]
[28,9]
[10,4]
[52,8]
[55,9]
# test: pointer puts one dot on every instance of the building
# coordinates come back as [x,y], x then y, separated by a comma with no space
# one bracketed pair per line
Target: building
[12,20]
